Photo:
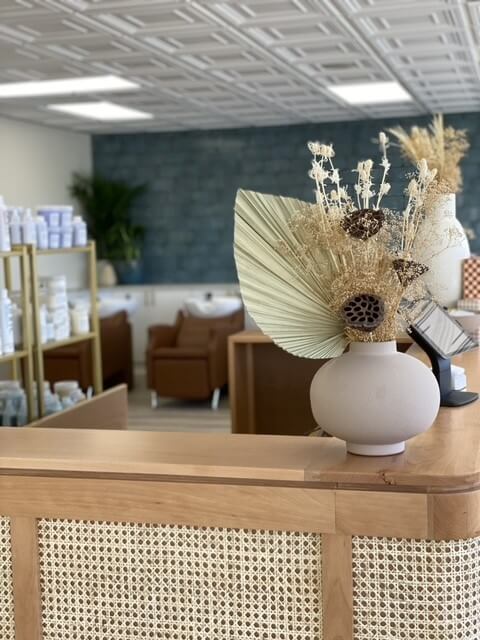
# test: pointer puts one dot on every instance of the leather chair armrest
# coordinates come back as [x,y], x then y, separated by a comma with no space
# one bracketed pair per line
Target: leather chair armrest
[218,356]
[161,335]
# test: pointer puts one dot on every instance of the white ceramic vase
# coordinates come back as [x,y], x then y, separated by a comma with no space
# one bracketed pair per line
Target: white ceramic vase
[106,274]
[442,246]
[374,398]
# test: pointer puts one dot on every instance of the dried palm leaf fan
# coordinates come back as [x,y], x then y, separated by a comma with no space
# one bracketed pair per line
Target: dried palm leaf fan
[289,304]
[318,276]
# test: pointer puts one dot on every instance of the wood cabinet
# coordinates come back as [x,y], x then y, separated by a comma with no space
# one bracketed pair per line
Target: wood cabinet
[269,388]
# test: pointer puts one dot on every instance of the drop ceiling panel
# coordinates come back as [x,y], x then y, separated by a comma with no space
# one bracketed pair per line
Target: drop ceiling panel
[231,63]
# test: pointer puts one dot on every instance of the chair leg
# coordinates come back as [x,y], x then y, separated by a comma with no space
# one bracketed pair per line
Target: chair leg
[215,399]
[154,399]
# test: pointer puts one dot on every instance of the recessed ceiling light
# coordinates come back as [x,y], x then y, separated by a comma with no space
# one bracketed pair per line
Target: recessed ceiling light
[65,86]
[371,92]
[103,111]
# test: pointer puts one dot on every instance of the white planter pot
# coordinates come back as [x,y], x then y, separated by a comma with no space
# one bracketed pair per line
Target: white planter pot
[374,398]
[106,274]
[442,245]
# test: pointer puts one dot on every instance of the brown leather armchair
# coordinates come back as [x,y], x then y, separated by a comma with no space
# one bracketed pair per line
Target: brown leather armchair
[189,360]
[74,362]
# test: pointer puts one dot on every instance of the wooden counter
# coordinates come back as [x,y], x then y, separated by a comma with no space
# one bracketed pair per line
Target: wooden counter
[117,535]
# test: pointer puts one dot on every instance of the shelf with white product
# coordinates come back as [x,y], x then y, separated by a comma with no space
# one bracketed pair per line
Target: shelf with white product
[55,344]
[53,252]
[16,355]
[23,354]
[93,335]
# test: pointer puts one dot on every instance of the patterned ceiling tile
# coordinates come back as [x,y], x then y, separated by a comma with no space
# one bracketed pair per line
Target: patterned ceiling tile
[227,63]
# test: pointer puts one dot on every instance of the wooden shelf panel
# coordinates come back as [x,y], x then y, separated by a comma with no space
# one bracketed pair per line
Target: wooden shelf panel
[50,252]
[16,355]
[14,253]
[65,343]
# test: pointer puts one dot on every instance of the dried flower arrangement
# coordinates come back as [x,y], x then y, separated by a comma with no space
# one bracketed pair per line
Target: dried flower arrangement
[442,147]
[318,276]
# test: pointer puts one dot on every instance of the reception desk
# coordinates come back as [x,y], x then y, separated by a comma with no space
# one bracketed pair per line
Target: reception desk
[118,535]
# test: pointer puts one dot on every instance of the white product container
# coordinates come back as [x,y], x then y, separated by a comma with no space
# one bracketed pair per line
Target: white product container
[65,387]
[44,323]
[66,216]
[17,324]
[52,403]
[6,323]
[42,232]
[15,228]
[54,285]
[80,320]
[7,408]
[66,237]
[77,396]
[9,384]
[54,239]
[4,229]
[13,405]
[51,214]
[80,238]
[29,229]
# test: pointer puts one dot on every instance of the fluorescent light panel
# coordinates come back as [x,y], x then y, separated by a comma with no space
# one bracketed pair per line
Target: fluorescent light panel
[66,86]
[371,93]
[102,111]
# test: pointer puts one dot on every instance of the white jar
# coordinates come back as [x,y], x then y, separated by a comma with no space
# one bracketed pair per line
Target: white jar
[15,228]
[6,323]
[58,284]
[66,216]
[80,318]
[17,317]
[42,232]
[66,237]
[54,238]
[374,398]
[4,229]
[29,229]
[79,232]
[77,396]
[65,389]
[51,214]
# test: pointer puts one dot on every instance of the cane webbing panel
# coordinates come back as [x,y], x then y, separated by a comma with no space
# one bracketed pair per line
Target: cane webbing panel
[416,589]
[7,623]
[120,581]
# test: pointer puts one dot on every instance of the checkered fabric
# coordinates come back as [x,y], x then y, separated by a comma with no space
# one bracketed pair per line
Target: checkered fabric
[469,304]
[471,278]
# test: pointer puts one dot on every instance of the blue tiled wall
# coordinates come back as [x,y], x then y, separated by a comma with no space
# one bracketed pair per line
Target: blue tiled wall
[193,178]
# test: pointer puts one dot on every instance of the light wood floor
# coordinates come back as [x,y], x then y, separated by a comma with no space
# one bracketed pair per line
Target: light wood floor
[173,415]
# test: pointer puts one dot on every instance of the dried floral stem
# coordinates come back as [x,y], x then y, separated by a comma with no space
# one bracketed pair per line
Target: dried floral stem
[442,147]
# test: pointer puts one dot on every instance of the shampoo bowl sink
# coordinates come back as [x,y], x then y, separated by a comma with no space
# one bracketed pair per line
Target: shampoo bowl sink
[214,307]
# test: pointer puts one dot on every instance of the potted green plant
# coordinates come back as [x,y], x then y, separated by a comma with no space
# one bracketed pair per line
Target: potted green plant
[107,206]
[125,251]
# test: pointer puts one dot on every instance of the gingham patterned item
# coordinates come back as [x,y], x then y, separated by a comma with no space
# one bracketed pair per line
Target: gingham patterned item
[471,277]
[469,304]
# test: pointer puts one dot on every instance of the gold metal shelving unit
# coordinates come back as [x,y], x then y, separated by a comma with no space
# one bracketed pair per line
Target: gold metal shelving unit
[94,335]
[21,361]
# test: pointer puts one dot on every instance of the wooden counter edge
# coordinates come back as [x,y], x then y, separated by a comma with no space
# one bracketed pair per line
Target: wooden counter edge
[340,512]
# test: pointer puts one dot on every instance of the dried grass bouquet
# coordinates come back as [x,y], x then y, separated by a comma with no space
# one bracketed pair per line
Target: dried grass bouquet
[442,147]
[318,276]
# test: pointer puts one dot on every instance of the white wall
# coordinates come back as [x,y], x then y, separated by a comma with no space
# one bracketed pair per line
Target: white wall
[36,167]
